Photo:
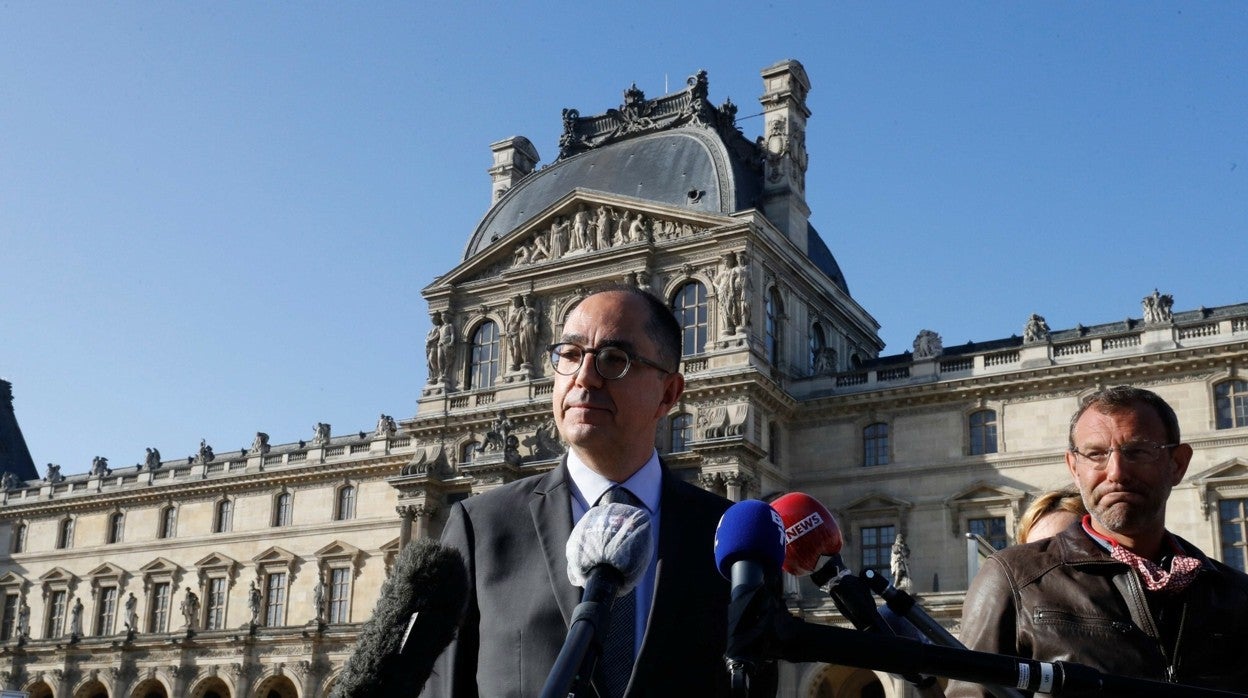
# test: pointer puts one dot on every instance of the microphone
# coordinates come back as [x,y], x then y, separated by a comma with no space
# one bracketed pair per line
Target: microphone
[811,533]
[608,553]
[416,617]
[749,551]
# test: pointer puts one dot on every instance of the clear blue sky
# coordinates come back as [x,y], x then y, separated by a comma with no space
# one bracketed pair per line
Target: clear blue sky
[216,218]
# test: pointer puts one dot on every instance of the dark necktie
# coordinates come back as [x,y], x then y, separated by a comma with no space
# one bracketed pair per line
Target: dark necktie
[616,665]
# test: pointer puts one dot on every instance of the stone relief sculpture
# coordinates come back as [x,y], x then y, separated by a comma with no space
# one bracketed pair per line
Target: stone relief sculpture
[602,228]
[825,361]
[52,474]
[732,287]
[439,347]
[23,620]
[9,481]
[513,328]
[99,467]
[190,609]
[1036,330]
[260,444]
[529,329]
[899,564]
[1157,308]
[580,230]
[927,345]
[131,619]
[75,620]
[544,442]
[320,434]
[318,598]
[151,460]
[599,229]
[253,602]
[497,437]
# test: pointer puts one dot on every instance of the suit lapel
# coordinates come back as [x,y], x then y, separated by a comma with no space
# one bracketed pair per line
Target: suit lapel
[550,506]
[669,581]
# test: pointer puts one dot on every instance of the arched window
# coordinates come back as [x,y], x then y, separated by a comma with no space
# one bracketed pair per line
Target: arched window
[689,305]
[168,523]
[485,350]
[65,534]
[346,504]
[282,509]
[875,444]
[681,431]
[1230,401]
[983,427]
[467,453]
[224,520]
[771,327]
[116,526]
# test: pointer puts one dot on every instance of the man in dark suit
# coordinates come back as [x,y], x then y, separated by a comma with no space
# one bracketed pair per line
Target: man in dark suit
[616,379]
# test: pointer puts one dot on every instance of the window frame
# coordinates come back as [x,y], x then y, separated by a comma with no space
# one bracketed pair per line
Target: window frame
[484,356]
[283,509]
[1230,396]
[223,516]
[982,435]
[876,444]
[345,498]
[167,522]
[693,317]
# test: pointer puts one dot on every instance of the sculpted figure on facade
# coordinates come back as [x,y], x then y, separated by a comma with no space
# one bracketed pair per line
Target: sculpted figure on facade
[544,443]
[151,460]
[497,437]
[927,345]
[602,228]
[899,564]
[320,434]
[205,452]
[1157,307]
[99,467]
[731,289]
[253,603]
[9,481]
[1036,330]
[580,231]
[559,231]
[638,230]
[386,426]
[23,620]
[260,444]
[318,598]
[529,329]
[439,347]
[75,620]
[825,361]
[52,474]
[513,328]
[131,618]
[190,608]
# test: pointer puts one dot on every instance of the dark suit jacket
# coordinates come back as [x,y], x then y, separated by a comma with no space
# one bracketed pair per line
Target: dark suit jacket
[521,602]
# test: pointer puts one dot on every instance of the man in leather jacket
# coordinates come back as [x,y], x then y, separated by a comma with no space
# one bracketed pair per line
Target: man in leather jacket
[1116,591]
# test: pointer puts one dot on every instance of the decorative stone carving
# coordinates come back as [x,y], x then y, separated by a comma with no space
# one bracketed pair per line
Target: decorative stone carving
[9,482]
[1037,330]
[521,332]
[732,288]
[499,439]
[205,452]
[320,434]
[99,467]
[544,443]
[1157,308]
[151,460]
[899,564]
[260,444]
[253,603]
[131,617]
[190,609]
[23,621]
[430,461]
[75,620]
[927,345]
[720,421]
[825,361]
[440,347]
[52,474]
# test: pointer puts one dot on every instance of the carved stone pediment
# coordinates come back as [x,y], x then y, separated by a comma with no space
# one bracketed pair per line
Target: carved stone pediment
[274,554]
[983,492]
[876,502]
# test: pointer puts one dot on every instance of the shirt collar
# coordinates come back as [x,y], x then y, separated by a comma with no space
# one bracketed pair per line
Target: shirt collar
[644,484]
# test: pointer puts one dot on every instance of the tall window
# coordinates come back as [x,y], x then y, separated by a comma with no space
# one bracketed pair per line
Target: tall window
[56,614]
[991,529]
[467,453]
[168,522]
[106,612]
[339,591]
[158,616]
[281,509]
[116,526]
[1233,518]
[346,503]
[875,444]
[485,349]
[1230,400]
[690,308]
[816,344]
[19,538]
[983,432]
[877,546]
[773,442]
[65,534]
[275,600]
[771,327]
[214,618]
[9,622]
[225,517]
[682,432]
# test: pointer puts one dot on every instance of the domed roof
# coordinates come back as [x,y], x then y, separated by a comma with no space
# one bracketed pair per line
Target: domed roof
[689,167]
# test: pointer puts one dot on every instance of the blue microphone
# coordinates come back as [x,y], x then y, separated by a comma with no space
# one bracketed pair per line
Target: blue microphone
[749,550]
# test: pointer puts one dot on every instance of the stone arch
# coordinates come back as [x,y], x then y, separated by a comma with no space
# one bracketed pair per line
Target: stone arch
[275,684]
[39,689]
[92,687]
[327,685]
[835,681]
[212,687]
[152,687]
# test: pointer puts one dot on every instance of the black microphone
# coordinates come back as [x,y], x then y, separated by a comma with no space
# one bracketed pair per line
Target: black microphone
[417,615]
[608,553]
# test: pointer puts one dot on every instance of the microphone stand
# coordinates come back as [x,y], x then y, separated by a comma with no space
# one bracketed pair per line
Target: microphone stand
[754,614]
[904,605]
[574,666]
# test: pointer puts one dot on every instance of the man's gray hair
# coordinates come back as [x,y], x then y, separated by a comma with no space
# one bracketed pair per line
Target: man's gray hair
[1120,398]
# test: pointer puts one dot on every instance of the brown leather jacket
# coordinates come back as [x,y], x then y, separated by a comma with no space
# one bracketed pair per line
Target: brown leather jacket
[1065,598]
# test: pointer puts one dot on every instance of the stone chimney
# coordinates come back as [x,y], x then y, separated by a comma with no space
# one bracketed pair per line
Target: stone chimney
[784,148]
[514,158]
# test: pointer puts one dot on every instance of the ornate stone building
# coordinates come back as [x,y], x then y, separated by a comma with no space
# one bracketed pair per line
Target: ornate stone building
[786,390]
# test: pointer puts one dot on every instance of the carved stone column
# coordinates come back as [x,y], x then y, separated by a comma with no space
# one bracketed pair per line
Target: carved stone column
[415,521]
[406,514]
[737,485]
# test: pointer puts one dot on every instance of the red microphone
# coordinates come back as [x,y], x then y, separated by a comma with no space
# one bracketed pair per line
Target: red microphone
[810,532]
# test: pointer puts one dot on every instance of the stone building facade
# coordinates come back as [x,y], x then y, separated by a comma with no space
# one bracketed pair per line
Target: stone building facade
[786,390]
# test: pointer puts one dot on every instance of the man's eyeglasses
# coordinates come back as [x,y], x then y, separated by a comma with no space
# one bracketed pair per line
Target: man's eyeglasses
[1134,453]
[612,363]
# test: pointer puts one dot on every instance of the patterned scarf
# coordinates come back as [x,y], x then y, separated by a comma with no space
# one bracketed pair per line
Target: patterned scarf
[1182,572]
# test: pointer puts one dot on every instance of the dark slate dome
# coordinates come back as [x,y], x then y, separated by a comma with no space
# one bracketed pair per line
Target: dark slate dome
[688,167]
